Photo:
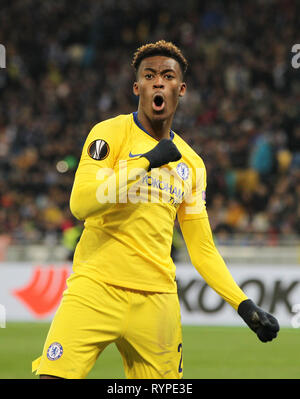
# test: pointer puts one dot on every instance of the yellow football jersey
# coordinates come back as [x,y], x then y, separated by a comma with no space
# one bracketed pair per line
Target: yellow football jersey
[129,213]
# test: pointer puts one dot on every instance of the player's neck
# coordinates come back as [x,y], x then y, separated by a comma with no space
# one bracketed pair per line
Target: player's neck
[158,129]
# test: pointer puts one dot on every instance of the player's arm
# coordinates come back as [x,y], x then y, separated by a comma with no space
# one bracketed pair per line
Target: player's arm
[99,181]
[96,189]
[209,263]
[207,260]
[205,257]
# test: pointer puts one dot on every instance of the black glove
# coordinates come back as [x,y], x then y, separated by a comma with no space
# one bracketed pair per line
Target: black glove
[164,152]
[262,323]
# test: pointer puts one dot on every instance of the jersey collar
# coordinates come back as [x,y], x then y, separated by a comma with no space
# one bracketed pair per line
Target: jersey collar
[138,123]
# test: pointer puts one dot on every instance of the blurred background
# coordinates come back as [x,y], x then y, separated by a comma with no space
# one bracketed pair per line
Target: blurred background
[68,68]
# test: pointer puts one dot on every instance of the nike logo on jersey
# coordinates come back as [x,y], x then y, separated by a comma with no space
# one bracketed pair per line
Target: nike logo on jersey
[134,155]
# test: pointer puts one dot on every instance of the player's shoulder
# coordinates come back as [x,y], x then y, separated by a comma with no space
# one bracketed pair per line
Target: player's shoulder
[117,123]
[112,131]
[193,157]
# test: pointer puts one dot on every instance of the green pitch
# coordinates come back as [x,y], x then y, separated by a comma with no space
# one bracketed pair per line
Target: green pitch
[208,353]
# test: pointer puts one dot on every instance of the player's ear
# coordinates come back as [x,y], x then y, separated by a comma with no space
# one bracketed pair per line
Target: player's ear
[182,89]
[136,89]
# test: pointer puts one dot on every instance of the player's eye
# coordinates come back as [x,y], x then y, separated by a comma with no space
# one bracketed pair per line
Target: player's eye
[169,76]
[148,75]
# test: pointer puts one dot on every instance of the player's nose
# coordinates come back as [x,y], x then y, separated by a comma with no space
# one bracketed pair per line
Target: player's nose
[158,83]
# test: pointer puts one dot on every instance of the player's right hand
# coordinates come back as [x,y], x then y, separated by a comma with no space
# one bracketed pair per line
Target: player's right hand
[164,152]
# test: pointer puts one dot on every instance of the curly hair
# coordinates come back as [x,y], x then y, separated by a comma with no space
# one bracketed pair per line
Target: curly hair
[167,49]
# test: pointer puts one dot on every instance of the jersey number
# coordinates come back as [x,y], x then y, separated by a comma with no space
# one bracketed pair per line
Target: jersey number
[180,362]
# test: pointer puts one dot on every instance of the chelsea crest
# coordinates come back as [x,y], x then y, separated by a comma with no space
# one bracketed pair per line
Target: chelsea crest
[182,170]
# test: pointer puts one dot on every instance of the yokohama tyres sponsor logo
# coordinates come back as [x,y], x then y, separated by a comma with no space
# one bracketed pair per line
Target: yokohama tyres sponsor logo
[194,295]
[42,294]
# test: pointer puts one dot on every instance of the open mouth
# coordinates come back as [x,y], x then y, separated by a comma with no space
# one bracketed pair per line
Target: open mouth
[158,103]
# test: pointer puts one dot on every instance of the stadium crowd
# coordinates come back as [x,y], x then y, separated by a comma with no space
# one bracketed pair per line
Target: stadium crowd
[68,67]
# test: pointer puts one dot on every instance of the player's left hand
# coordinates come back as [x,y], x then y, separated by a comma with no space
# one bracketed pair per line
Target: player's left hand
[262,323]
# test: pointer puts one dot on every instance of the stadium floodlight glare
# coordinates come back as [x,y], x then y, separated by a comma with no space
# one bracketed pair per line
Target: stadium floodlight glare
[62,166]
